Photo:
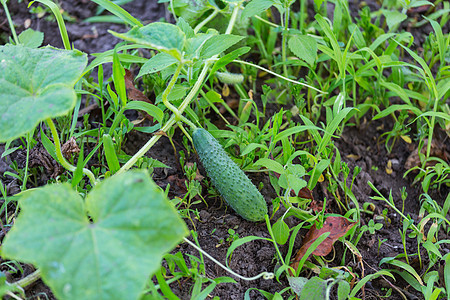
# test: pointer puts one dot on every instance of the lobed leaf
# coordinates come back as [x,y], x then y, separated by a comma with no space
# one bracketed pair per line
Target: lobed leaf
[36,84]
[105,247]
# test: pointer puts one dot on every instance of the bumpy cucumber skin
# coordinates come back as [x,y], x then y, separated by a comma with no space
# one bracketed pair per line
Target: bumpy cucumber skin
[231,182]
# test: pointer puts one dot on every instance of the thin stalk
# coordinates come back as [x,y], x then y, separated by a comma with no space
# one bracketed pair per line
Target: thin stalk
[266,21]
[11,24]
[265,275]
[284,40]
[33,277]
[166,93]
[180,125]
[233,19]
[269,228]
[60,156]
[430,131]
[205,21]
[278,75]
[25,177]
[302,15]
[14,296]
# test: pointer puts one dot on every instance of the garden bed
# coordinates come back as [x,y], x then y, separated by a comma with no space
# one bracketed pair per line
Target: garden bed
[361,141]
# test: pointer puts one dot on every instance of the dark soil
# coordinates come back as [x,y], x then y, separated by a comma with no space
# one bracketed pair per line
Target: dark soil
[359,146]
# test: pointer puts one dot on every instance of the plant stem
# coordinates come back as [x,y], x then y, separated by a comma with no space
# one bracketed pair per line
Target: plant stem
[302,15]
[166,93]
[284,40]
[60,156]
[25,177]
[266,21]
[205,21]
[265,275]
[269,228]
[278,75]
[11,24]
[32,278]
[233,18]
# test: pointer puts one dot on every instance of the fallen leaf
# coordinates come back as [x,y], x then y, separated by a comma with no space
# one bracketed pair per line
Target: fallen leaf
[353,156]
[225,90]
[132,92]
[389,167]
[437,150]
[336,226]
[419,9]
[316,206]
[305,193]
[406,138]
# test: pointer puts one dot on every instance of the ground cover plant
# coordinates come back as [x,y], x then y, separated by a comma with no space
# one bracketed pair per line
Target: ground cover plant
[225,149]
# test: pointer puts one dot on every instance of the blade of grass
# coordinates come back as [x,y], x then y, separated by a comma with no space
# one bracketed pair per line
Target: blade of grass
[119,12]
[59,19]
[110,153]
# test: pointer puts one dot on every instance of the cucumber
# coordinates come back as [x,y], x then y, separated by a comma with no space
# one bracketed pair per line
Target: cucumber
[231,182]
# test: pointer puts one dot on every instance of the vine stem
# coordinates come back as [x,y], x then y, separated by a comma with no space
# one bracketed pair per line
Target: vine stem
[265,275]
[60,156]
[11,24]
[194,91]
[25,177]
[205,21]
[166,93]
[284,40]
[33,277]
[278,75]
[232,19]
[269,228]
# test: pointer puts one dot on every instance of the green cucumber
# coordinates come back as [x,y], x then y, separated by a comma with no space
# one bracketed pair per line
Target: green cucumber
[231,182]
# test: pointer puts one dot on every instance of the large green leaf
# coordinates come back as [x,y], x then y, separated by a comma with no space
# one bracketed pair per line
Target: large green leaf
[164,37]
[35,84]
[105,247]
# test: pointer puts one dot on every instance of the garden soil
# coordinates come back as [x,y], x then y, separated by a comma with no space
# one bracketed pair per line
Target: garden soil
[359,146]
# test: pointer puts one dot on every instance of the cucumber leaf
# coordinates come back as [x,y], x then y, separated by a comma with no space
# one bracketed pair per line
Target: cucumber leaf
[104,247]
[36,84]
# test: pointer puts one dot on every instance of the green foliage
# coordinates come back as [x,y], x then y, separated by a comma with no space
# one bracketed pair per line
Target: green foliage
[357,69]
[105,246]
[36,84]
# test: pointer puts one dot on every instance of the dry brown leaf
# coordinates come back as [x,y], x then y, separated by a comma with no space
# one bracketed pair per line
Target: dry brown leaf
[132,92]
[389,167]
[336,226]
[437,150]
[305,193]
